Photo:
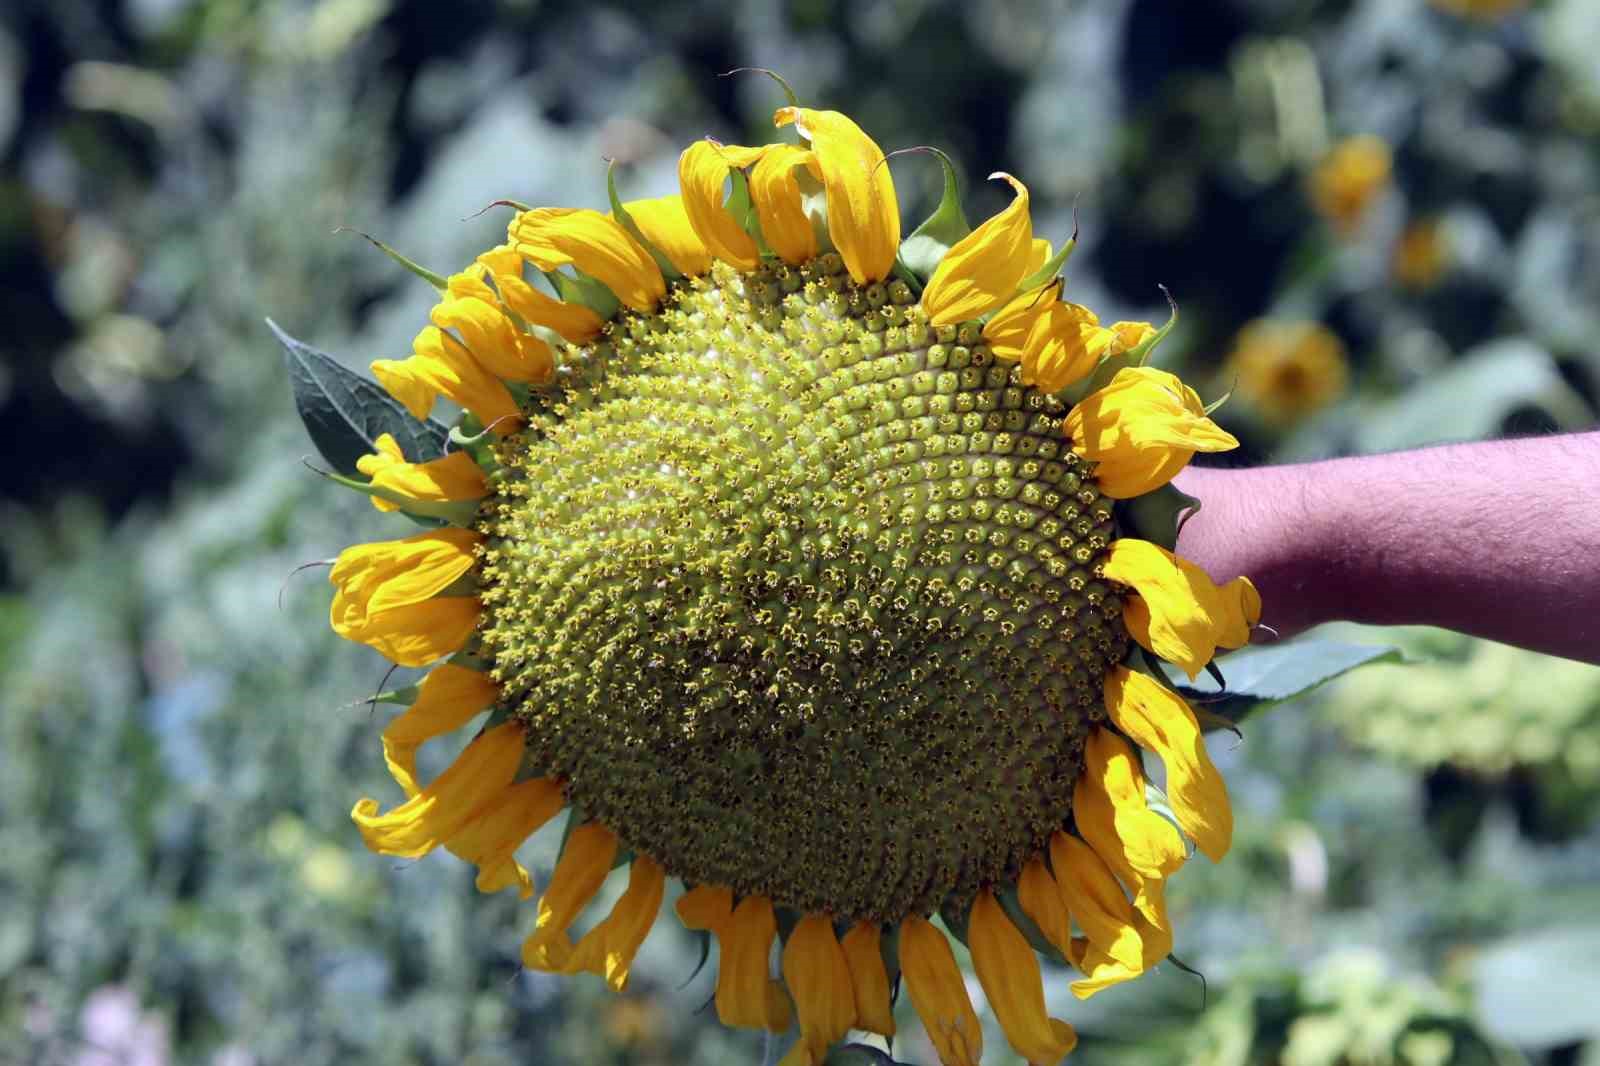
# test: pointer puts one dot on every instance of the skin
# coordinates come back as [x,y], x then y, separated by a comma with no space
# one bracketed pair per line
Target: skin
[1498,539]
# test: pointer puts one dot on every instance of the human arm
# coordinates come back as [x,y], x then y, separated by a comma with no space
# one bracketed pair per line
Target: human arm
[1498,539]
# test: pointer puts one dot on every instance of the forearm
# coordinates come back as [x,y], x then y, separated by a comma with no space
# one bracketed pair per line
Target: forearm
[1499,539]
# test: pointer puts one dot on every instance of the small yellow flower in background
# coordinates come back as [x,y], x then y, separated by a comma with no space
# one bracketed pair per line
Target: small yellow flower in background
[1286,370]
[799,579]
[1349,179]
[1421,255]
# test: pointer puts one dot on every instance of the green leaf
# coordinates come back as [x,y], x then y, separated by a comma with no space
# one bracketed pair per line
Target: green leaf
[1470,398]
[1539,989]
[1155,516]
[345,413]
[580,288]
[921,252]
[1260,677]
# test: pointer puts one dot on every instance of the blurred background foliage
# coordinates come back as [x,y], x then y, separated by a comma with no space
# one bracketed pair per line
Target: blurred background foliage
[1381,220]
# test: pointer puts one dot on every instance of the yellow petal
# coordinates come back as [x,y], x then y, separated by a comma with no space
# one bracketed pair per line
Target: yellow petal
[864,952]
[608,949]
[747,996]
[385,595]
[863,216]
[440,812]
[449,698]
[452,478]
[702,172]
[1141,430]
[501,260]
[776,192]
[705,907]
[1010,976]
[471,308]
[1040,899]
[982,269]
[1155,717]
[497,830]
[1104,971]
[574,322]
[579,873]
[1109,807]
[937,991]
[1094,899]
[437,368]
[1180,613]
[664,221]
[1008,330]
[1059,349]
[818,976]
[554,237]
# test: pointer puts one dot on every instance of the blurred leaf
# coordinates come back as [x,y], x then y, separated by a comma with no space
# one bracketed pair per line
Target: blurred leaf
[1260,677]
[1470,399]
[1539,990]
[345,413]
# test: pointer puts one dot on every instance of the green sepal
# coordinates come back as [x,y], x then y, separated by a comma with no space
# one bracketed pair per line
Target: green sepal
[1011,903]
[955,920]
[479,445]
[404,697]
[426,512]
[788,91]
[889,952]
[1157,516]
[743,209]
[626,221]
[1051,268]
[1218,402]
[921,252]
[704,938]
[436,280]
[580,288]
[1205,987]
[1140,353]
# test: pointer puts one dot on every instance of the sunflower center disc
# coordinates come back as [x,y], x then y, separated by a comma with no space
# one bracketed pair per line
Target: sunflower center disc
[797,594]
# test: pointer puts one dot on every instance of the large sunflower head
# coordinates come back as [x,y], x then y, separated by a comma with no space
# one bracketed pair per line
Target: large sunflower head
[779,554]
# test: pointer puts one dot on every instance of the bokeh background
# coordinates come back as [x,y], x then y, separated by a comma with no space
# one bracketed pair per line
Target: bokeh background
[1381,220]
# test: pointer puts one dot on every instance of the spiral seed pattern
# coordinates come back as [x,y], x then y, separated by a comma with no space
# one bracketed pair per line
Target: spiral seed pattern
[798,594]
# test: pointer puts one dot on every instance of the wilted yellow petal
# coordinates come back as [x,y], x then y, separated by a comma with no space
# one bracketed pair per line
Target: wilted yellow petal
[608,949]
[937,991]
[385,595]
[1141,429]
[1058,350]
[491,839]
[441,811]
[472,309]
[579,873]
[747,996]
[863,215]
[1179,612]
[453,478]
[863,951]
[435,369]
[705,907]
[818,976]
[776,192]
[1157,718]
[449,697]
[554,237]
[1094,899]
[1041,900]
[702,172]
[574,322]
[982,269]
[1109,807]
[1010,976]
[664,221]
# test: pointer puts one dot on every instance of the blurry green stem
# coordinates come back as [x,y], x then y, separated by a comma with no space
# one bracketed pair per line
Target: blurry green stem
[1497,539]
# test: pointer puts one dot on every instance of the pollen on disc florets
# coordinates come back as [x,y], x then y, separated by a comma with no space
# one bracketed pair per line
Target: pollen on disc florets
[797,594]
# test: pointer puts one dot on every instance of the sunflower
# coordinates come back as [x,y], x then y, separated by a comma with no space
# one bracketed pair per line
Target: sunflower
[1349,179]
[1287,369]
[787,568]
